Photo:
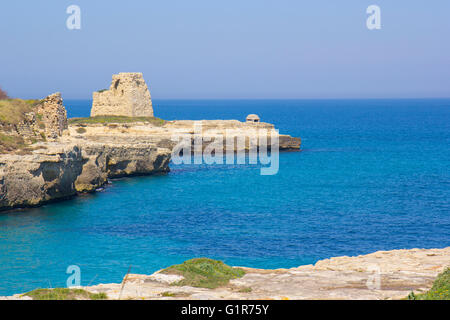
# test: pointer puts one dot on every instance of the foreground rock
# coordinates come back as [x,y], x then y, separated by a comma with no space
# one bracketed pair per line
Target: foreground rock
[81,157]
[351,278]
[401,271]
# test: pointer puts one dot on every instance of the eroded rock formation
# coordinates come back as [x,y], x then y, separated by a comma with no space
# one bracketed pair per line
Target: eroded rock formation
[46,174]
[115,160]
[58,170]
[128,96]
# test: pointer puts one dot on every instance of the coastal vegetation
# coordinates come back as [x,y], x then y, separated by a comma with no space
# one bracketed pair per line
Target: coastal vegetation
[10,143]
[3,94]
[204,273]
[439,291]
[116,119]
[64,294]
[12,111]
[169,294]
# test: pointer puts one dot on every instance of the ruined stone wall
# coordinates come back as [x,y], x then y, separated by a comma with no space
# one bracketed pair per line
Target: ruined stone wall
[53,115]
[31,121]
[128,96]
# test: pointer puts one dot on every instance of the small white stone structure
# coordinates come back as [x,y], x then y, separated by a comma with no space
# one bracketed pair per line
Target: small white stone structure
[253,118]
[127,96]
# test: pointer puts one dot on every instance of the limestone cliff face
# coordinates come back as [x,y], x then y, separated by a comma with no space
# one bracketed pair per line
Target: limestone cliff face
[161,136]
[114,160]
[60,170]
[128,96]
[47,174]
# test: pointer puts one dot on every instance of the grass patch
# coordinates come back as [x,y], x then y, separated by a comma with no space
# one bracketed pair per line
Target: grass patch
[168,294]
[10,143]
[439,291]
[116,119]
[245,290]
[174,294]
[204,273]
[12,111]
[65,294]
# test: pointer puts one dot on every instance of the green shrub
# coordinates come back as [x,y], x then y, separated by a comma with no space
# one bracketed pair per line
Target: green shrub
[12,111]
[64,294]
[439,291]
[116,119]
[204,273]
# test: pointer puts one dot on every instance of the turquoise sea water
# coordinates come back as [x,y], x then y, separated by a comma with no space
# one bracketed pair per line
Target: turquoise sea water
[373,175]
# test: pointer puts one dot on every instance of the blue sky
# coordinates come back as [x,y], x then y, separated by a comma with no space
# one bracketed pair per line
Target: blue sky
[228,49]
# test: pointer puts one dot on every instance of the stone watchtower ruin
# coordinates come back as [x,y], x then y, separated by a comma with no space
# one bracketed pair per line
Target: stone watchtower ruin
[127,96]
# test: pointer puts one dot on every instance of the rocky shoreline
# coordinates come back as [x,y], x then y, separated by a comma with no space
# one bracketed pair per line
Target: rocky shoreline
[377,276]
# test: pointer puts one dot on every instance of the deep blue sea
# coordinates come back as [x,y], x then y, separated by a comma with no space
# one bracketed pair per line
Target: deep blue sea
[373,175]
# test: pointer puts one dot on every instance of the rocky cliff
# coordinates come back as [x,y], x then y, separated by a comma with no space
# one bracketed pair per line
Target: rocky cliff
[380,275]
[41,162]
[58,170]
[46,174]
[114,160]
[86,155]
